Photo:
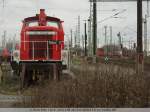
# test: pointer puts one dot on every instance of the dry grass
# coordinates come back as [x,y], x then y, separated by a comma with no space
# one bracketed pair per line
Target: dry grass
[95,86]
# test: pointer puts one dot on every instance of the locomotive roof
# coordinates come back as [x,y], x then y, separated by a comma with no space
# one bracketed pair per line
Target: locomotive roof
[36,18]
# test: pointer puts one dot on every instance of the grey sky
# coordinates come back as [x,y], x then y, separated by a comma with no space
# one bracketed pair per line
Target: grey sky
[68,10]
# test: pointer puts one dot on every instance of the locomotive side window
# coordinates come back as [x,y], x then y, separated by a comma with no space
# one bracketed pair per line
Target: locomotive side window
[53,24]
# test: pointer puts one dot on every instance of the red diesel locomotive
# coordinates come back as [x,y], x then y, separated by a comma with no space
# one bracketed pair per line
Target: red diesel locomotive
[42,42]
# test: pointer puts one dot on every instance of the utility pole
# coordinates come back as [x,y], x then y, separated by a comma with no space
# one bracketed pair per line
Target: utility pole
[119,38]
[89,37]
[75,38]
[129,45]
[145,30]
[91,29]
[106,46]
[145,35]
[4,40]
[14,42]
[120,41]
[110,35]
[146,26]
[94,27]
[110,48]
[83,42]
[140,59]
[85,39]
[71,38]
[78,30]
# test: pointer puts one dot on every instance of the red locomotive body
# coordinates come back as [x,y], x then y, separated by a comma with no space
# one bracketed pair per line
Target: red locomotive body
[42,38]
[42,42]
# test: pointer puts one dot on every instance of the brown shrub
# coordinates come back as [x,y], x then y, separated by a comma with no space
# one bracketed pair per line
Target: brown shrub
[95,86]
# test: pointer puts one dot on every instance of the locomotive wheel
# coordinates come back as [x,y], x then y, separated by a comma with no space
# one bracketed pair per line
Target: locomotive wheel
[25,77]
[28,80]
[22,76]
[57,71]
[60,69]
[50,73]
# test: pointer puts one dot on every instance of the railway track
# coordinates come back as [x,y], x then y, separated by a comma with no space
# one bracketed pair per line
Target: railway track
[10,101]
[125,63]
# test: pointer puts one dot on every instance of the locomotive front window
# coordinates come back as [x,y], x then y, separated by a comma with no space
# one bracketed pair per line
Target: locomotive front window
[49,23]
[33,23]
[53,24]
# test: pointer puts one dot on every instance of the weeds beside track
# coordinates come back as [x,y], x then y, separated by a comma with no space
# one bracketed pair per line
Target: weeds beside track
[98,85]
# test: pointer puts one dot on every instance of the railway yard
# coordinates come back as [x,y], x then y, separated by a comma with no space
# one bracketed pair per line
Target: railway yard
[55,55]
[110,84]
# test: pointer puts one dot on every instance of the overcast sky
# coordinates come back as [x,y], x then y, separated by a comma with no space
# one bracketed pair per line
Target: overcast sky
[14,11]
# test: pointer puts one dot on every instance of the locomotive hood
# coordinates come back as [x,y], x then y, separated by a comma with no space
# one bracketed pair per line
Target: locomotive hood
[41,18]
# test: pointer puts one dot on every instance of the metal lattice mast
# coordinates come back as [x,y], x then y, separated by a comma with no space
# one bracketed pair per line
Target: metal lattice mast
[78,42]
[91,30]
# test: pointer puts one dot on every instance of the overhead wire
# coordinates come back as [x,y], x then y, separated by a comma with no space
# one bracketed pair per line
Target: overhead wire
[116,14]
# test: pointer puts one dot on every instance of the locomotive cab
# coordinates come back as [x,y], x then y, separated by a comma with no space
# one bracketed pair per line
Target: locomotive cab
[42,42]
[42,38]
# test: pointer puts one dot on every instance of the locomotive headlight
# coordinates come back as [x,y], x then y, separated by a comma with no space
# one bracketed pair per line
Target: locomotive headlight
[41,33]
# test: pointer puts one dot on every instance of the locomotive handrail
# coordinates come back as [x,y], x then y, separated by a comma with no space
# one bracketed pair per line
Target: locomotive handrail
[46,48]
[40,41]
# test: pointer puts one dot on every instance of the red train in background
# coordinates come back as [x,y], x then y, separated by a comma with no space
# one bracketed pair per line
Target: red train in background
[5,55]
[41,45]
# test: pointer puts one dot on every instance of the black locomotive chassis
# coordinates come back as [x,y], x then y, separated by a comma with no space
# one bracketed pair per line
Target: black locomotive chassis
[29,71]
[35,65]
[39,65]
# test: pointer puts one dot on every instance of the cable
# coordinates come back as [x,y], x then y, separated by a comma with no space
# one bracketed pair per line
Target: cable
[112,16]
[127,27]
